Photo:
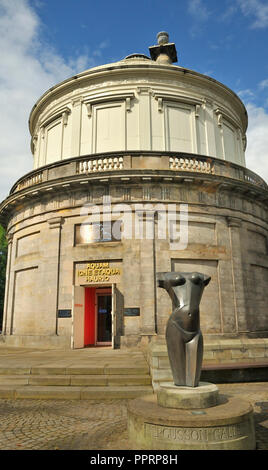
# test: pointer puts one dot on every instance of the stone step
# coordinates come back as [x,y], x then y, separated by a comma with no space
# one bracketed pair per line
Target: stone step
[15,370]
[224,360]
[75,380]
[73,393]
[81,370]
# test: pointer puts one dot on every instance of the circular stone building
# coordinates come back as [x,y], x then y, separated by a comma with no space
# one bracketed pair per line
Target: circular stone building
[126,144]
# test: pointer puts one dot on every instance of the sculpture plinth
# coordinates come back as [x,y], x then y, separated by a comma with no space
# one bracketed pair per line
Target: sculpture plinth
[188,398]
[227,426]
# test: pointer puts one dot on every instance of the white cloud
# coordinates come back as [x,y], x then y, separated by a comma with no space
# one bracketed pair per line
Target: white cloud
[263,84]
[246,94]
[256,9]
[28,67]
[198,10]
[200,14]
[228,13]
[257,136]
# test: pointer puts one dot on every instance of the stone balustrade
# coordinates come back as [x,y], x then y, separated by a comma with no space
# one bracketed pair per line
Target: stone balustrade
[36,178]
[191,164]
[179,164]
[99,164]
[252,178]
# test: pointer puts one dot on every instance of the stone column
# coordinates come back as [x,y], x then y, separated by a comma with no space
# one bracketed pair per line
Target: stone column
[234,225]
[7,320]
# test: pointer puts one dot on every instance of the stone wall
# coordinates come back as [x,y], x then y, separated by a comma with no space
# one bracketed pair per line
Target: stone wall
[227,240]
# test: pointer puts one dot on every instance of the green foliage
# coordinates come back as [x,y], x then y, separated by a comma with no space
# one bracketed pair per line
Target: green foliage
[3,260]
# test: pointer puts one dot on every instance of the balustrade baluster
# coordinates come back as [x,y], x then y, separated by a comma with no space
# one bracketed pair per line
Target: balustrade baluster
[121,163]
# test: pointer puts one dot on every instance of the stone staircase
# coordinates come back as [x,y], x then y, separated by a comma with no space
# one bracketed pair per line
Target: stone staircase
[224,360]
[104,373]
[100,375]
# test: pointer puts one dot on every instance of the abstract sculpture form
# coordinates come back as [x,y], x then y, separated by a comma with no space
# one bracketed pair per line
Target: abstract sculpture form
[183,336]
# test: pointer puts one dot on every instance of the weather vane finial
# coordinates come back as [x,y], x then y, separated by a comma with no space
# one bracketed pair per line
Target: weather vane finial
[165,52]
[162,38]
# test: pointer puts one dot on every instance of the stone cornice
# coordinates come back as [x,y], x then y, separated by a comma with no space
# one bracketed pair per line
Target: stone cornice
[199,173]
[209,184]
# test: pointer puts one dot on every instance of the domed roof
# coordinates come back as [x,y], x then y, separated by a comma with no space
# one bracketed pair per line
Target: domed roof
[137,56]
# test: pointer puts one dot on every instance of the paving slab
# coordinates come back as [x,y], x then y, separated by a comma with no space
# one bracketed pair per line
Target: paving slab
[102,393]
[85,370]
[90,380]
[54,393]
[49,380]
[87,357]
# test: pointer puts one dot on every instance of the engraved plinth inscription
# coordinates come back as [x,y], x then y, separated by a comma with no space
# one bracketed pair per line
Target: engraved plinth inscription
[181,434]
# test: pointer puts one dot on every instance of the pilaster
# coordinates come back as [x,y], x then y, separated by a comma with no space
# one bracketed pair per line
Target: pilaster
[234,225]
[76,126]
[53,264]
[145,118]
[147,273]
[6,324]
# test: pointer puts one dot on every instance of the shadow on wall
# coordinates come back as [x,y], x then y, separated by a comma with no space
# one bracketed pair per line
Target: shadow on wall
[3,260]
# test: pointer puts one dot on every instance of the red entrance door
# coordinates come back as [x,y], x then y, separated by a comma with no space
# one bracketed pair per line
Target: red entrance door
[90,314]
[98,316]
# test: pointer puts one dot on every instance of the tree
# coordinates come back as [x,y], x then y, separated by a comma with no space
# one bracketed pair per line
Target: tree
[3,260]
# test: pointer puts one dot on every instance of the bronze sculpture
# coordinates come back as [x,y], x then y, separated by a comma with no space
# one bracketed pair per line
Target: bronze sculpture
[183,335]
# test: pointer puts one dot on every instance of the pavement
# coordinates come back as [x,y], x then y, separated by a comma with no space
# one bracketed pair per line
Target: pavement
[48,424]
[95,424]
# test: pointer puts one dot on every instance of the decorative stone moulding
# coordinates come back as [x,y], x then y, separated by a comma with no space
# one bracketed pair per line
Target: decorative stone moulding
[59,113]
[107,98]
[177,97]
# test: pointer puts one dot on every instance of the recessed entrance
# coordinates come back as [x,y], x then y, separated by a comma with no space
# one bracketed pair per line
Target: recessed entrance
[104,317]
[95,311]
[98,316]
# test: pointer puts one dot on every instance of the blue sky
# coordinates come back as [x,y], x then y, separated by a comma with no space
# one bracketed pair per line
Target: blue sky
[219,38]
[45,41]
